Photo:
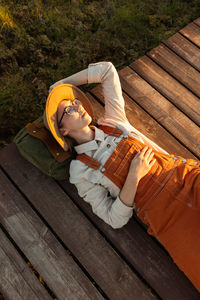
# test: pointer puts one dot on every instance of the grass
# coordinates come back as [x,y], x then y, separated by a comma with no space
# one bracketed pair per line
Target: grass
[44,41]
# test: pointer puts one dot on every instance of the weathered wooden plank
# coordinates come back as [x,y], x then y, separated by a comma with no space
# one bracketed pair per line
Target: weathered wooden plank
[16,279]
[197,21]
[86,243]
[184,48]
[97,108]
[177,67]
[142,252]
[192,32]
[57,268]
[170,88]
[147,125]
[161,109]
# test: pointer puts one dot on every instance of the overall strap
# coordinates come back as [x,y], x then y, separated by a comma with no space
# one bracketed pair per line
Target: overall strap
[110,130]
[91,162]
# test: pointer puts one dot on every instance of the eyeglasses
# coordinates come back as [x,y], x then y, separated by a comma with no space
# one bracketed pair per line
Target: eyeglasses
[69,110]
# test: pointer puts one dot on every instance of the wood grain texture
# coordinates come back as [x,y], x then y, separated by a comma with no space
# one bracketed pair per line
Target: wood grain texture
[169,87]
[177,67]
[185,49]
[140,250]
[148,126]
[97,107]
[80,236]
[36,241]
[197,21]
[16,279]
[192,32]
[161,109]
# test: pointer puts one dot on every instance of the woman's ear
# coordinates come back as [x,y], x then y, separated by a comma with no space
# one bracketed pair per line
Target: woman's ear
[64,131]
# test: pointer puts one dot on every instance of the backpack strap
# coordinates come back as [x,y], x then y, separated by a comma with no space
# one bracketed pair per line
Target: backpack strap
[38,130]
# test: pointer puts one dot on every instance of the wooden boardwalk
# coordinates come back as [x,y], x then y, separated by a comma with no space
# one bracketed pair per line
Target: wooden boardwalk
[44,223]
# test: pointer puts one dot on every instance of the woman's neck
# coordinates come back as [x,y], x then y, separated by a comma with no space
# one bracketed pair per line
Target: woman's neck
[84,135]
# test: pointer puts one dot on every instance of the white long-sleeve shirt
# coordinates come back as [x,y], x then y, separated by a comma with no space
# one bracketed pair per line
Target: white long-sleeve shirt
[92,185]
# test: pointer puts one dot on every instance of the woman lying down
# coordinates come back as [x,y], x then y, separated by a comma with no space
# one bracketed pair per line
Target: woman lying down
[117,169]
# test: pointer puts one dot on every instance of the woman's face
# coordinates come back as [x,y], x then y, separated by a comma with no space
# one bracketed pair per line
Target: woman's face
[76,120]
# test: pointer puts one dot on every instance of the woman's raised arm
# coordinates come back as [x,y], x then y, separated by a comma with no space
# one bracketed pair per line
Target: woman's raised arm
[106,74]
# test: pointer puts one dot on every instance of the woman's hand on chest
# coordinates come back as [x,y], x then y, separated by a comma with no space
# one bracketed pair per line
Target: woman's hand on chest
[142,163]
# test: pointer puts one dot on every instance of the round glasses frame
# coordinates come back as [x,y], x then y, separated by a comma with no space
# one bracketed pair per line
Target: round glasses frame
[69,110]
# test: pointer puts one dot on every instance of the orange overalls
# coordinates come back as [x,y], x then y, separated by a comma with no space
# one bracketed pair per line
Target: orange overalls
[167,199]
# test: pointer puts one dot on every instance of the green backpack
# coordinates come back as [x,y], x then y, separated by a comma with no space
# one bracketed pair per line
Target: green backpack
[37,145]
